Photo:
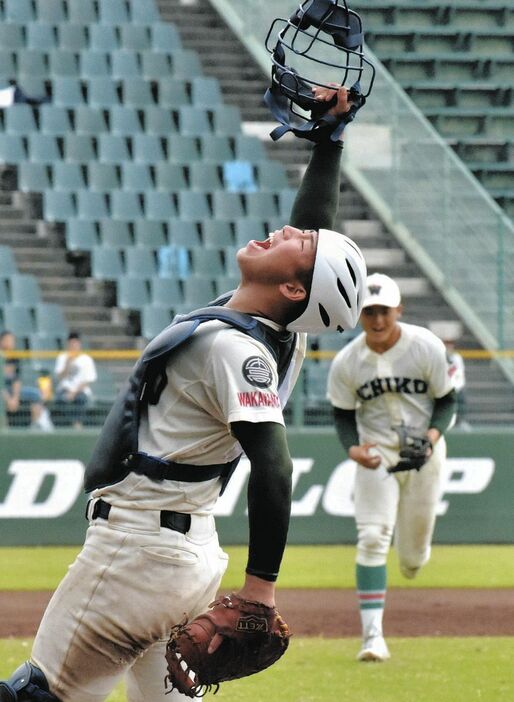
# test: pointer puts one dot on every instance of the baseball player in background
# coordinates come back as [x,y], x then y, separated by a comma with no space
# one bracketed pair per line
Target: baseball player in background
[393,399]
[151,552]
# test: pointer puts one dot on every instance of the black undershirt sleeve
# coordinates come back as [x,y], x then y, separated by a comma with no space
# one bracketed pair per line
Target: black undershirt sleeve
[317,199]
[444,410]
[346,427]
[269,494]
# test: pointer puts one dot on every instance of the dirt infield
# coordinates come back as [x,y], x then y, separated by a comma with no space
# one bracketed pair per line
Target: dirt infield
[333,613]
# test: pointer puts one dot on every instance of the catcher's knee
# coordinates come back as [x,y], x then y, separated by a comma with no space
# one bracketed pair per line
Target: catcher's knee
[27,684]
[373,544]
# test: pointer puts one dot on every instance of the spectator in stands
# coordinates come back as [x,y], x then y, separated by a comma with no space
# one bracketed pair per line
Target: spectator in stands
[14,94]
[17,396]
[74,372]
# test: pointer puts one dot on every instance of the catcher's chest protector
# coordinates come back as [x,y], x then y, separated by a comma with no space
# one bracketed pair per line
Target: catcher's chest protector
[119,436]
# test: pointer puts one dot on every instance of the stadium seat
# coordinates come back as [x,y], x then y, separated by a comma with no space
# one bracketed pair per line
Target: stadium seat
[103,176]
[159,205]
[43,148]
[92,205]
[166,291]
[207,263]
[54,120]
[261,205]
[94,64]
[227,206]
[216,148]
[24,289]
[137,92]
[225,283]
[193,121]
[216,234]
[247,229]
[249,148]
[185,63]
[34,177]
[5,296]
[103,37]
[271,175]
[50,11]
[286,198]
[80,235]
[140,262]
[8,264]
[79,148]
[82,11]
[11,36]
[126,205]
[154,319]
[115,234]
[135,36]
[205,92]
[132,293]
[239,177]
[113,12]
[198,291]
[72,37]
[50,319]
[62,62]
[124,64]
[173,92]
[155,65]
[148,148]
[144,11]
[33,62]
[106,263]
[226,120]
[68,92]
[165,37]
[103,92]
[124,120]
[136,177]
[193,205]
[21,11]
[68,176]
[150,234]
[183,149]
[113,149]
[159,121]
[89,120]
[184,233]
[205,176]
[7,64]
[19,320]
[41,36]
[170,176]
[19,119]
[12,149]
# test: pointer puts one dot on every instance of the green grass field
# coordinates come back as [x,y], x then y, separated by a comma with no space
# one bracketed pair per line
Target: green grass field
[41,568]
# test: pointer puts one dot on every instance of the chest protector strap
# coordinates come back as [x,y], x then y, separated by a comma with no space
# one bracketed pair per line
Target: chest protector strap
[116,453]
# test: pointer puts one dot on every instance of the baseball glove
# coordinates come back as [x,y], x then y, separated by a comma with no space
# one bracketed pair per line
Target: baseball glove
[254,637]
[414,453]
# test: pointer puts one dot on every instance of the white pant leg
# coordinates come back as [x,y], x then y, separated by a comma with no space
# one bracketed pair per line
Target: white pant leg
[129,585]
[419,496]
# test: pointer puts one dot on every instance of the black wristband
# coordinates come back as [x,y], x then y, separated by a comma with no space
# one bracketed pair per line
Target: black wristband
[271,577]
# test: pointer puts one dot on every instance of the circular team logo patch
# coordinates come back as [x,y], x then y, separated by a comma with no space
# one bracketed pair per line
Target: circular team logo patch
[257,371]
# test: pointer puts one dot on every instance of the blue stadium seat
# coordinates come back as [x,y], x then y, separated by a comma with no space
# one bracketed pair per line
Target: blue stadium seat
[248,228]
[249,148]
[5,296]
[89,120]
[261,205]
[271,175]
[124,120]
[207,263]
[136,177]
[198,291]
[286,198]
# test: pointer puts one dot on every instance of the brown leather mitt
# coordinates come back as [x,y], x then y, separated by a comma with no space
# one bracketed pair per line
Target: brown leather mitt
[254,636]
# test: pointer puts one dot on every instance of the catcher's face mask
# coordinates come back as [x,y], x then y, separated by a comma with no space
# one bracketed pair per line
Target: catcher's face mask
[324,40]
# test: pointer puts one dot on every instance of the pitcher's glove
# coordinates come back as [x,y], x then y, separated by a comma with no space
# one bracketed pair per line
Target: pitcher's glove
[254,637]
[414,453]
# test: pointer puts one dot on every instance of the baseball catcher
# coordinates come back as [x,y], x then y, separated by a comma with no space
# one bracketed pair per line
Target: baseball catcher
[233,639]
[414,451]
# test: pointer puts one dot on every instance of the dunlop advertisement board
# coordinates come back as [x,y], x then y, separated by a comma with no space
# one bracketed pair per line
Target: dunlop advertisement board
[42,500]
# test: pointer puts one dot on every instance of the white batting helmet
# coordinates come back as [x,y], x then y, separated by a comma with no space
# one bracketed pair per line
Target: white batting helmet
[338,286]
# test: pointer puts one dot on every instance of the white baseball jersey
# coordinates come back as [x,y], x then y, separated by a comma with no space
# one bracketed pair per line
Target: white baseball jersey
[220,376]
[80,370]
[392,388]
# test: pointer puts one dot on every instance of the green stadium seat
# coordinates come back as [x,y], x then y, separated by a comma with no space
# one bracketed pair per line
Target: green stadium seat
[19,320]
[67,92]
[124,64]
[50,11]
[54,120]
[248,228]
[154,319]
[136,177]
[205,176]
[41,36]
[261,205]
[216,234]
[72,37]
[159,121]
[165,37]
[33,85]
[113,149]
[79,148]
[159,205]
[19,119]
[193,205]
[103,37]
[103,92]
[198,290]
[271,175]
[33,177]
[5,296]
[94,64]
[82,11]
[184,233]
[7,64]
[173,92]
[21,11]
[147,148]
[155,65]
[92,205]
[11,36]
[166,291]
[216,148]
[227,206]
[140,262]
[137,92]
[126,206]
[183,149]
[50,319]
[113,12]
[249,148]
[58,206]
[135,36]
[45,342]
[25,290]
[286,198]
[170,176]
[89,120]
[43,148]
[63,63]
[144,11]
[106,263]
[124,121]
[12,149]
[226,120]
[205,92]
[150,234]
[8,264]
[132,293]
[225,283]
[68,176]
[33,62]
[81,235]
[193,121]
[185,64]
[115,234]
[103,176]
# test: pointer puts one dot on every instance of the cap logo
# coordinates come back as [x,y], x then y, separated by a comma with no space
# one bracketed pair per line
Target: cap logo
[374,289]
[257,371]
